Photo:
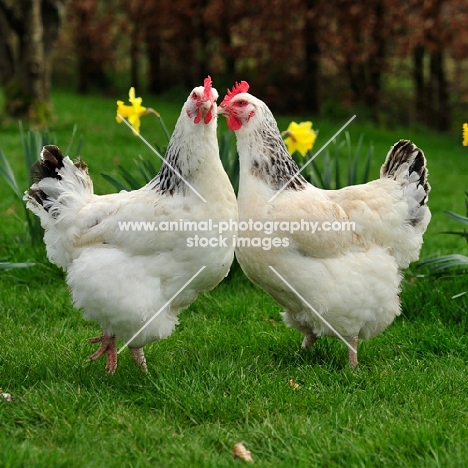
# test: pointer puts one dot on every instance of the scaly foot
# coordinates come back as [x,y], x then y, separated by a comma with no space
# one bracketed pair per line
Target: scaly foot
[108,346]
[139,358]
[353,362]
[308,341]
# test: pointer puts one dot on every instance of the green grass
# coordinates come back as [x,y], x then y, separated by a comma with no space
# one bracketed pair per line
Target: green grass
[222,377]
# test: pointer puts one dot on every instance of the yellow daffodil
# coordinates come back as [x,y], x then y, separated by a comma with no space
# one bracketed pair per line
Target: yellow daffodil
[299,137]
[465,134]
[133,112]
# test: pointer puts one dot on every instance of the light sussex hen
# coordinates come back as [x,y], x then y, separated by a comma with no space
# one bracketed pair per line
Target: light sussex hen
[126,280]
[342,283]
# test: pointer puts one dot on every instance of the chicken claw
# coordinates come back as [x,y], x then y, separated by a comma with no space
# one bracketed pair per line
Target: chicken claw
[108,347]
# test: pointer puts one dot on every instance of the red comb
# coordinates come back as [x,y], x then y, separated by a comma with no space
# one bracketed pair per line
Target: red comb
[238,88]
[207,86]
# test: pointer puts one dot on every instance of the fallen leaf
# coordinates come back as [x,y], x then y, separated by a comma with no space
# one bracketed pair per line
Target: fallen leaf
[241,452]
[7,396]
[293,384]
[271,320]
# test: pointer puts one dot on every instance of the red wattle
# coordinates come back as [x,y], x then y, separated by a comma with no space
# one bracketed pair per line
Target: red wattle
[234,123]
[198,117]
[208,116]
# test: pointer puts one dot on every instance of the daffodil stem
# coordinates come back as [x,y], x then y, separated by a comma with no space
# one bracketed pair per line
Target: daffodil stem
[163,125]
[150,110]
[288,134]
[166,131]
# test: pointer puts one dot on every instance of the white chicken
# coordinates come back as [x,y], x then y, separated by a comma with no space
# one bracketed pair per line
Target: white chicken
[135,282]
[339,282]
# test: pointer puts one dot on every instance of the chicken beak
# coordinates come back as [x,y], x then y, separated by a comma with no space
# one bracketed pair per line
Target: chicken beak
[206,107]
[207,110]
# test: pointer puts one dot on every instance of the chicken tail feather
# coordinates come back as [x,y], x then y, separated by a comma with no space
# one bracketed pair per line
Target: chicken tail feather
[50,168]
[406,164]
[59,191]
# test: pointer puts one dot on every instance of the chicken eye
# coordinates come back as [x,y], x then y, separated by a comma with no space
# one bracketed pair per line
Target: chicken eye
[241,103]
[194,95]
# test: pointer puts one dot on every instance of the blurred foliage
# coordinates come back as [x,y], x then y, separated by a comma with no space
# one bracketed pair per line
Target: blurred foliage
[10,266]
[454,264]
[328,172]
[147,169]
[229,158]
[33,142]
[376,57]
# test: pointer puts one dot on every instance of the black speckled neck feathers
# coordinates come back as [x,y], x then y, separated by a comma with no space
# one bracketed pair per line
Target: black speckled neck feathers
[270,161]
[187,149]
[168,180]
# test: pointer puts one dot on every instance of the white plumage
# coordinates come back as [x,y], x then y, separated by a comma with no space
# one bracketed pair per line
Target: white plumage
[122,278]
[350,277]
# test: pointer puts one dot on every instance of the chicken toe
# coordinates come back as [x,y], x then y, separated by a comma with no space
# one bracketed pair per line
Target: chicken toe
[108,346]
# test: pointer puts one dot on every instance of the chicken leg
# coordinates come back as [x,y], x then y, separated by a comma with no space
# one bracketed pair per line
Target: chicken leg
[139,358]
[108,346]
[309,340]
[353,362]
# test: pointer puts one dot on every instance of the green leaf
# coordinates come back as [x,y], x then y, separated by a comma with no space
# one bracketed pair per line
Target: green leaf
[318,174]
[68,150]
[457,233]
[446,262]
[365,174]
[8,175]
[229,158]
[142,167]
[457,217]
[118,185]
[337,167]
[131,181]
[331,173]
[165,130]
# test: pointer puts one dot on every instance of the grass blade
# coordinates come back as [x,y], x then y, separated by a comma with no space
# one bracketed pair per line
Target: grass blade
[8,175]
[365,174]
[337,168]
[9,266]
[69,147]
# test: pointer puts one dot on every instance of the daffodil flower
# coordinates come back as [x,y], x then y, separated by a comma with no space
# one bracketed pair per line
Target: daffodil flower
[133,112]
[465,134]
[299,137]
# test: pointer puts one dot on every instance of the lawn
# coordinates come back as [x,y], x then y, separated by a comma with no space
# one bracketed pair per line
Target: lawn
[228,373]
